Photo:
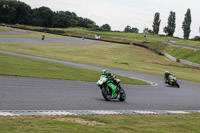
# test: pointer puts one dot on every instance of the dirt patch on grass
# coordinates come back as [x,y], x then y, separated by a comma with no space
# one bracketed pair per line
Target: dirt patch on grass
[153,62]
[80,121]
[74,120]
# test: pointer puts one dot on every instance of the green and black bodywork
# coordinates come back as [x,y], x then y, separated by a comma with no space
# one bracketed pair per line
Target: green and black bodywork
[173,81]
[110,90]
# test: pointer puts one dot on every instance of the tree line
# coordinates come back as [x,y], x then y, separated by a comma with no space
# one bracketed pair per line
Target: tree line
[171,25]
[13,12]
[17,12]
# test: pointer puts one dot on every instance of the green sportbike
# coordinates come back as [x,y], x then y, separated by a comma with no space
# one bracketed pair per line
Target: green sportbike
[173,81]
[110,90]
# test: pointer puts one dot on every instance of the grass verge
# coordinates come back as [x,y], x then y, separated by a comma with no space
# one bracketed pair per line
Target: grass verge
[124,57]
[4,29]
[154,41]
[191,55]
[17,66]
[184,123]
[119,36]
[30,34]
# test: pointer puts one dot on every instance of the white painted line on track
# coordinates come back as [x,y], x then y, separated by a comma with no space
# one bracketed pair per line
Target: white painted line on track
[152,83]
[145,112]
[102,112]
[57,113]
[7,114]
[177,112]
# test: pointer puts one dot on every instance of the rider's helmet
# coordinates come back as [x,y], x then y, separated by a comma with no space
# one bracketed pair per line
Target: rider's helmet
[166,72]
[104,72]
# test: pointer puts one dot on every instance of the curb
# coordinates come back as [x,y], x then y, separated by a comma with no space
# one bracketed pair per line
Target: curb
[91,112]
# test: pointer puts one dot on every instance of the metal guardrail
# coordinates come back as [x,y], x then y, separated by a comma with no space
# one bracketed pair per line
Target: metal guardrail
[189,63]
[182,61]
[149,48]
[170,57]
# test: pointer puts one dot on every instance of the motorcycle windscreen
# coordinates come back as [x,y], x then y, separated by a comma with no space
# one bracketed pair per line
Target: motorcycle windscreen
[113,87]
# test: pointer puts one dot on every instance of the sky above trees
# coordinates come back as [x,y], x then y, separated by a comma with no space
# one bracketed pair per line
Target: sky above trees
[136,13]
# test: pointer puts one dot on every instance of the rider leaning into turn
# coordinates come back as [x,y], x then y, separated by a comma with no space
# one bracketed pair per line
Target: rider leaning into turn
[109,75]
[166,77]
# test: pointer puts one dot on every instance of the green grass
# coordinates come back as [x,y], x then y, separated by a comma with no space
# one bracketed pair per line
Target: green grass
[124,57]
[17,66]
[184,123]
[34,34]
[131,37]
[185,54]
[4,29]
[30,34]
[183,41]
[154,41]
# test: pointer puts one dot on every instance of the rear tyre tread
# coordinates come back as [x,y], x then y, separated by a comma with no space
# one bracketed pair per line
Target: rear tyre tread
[122,96]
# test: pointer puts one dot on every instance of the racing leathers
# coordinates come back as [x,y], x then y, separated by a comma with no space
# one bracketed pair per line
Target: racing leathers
[166,77]
[113,78]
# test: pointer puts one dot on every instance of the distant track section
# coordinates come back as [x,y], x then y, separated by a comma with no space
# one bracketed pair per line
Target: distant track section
[183,45]
[61,40]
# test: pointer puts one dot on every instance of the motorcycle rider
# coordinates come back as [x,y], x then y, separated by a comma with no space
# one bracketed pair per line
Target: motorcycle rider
[166,77]
[112,77]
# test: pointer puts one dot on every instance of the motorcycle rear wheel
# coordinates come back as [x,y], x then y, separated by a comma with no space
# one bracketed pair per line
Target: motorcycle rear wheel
[177,85]
[122,96]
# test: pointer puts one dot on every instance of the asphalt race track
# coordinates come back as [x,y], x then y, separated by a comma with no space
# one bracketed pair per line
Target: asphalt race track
[60,40]
[22,93]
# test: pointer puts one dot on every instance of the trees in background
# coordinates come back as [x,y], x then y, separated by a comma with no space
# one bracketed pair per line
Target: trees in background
[170,28]
[65,19]
[129,29]
[156,23]
[196,38]
[85,22]
[106,27]
[186,25]
[42,16]
[147,31]
[16,12]
[13,12]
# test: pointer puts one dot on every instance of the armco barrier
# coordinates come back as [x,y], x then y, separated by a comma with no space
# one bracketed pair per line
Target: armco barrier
[182,61]
[149,48]
[170,57]
[189,63]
